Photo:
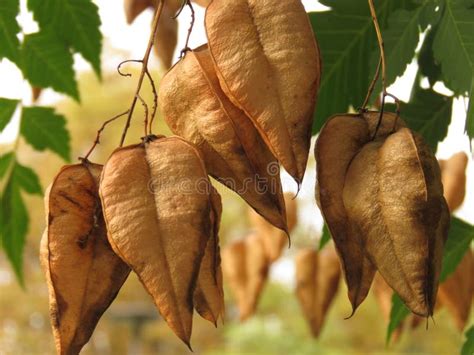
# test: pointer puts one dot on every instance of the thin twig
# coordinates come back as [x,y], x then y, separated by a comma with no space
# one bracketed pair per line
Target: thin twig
[190,29]
[99,132]
[127,61]
[380,42]
[145,108]
[146,57]
[155,101]
[372,85]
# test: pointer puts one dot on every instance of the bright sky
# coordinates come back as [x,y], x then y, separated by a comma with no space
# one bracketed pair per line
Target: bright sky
[133,39]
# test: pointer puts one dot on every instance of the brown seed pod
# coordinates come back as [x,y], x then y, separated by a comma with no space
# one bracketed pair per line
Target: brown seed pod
[339,141]
[457,290]
[166,37]
[278,95]
[274,240]
[317,282]
[453,175]
[245,268]
[156,203]
[133,8]
[83,273]
[195,108]
[393,195]
[209,293]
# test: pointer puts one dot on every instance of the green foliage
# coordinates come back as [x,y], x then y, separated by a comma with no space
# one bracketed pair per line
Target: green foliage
[346,38]
[460,236]
[47,62]
[76,21]
[14,215]
[7,108]
[397,314]
[325,237]
[9,43]
[453,49]
[426,61]
[429,114]
[45,129]
[468,347]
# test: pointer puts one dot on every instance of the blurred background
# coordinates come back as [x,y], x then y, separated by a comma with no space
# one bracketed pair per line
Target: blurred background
[132,325]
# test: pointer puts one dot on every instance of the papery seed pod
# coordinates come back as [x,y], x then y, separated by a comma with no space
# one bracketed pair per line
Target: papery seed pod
[156,203]
[339,141]
[394,196]
[453,175]
[317,282]
[166,37]
[133,8]
[245,268]
[83,273]
[273,75]
[456,292]
[209,293]
[274,240]
[195,108]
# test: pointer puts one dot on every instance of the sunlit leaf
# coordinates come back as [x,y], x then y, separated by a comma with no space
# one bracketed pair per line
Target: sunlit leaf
[7,108]
[45,129]
[47,62]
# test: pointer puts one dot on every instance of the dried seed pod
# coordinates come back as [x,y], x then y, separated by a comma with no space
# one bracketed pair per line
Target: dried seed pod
[457,290]
[195,108]
[339,141]
[245,268]
[317,282]
[202,3]
[156,203]
[133,8]
[453,175]
[393,195]
[274,240]
[83,273]
[278,95]
[166,37]
[209,293]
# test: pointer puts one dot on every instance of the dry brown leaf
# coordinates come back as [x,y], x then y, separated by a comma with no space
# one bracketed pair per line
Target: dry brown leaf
[453,174]
[245,268]
[339,141]
[274,240]
[268,64]
[457,290]
[393,195]
[196,108]
[317,282]
[83,273]
[156,203]
[209,293]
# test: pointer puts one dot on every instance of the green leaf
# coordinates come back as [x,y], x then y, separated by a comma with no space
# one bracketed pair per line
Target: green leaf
[47,62]
[428,67]
[401,38]
[429,114]
[9,42]
[346,39]
[397,314]
[27,179]
[325,237]
[468,346]
[15,221]
[454,50]
[5,161]
[460,236]
[75,21]
[7,108]
[45,129]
